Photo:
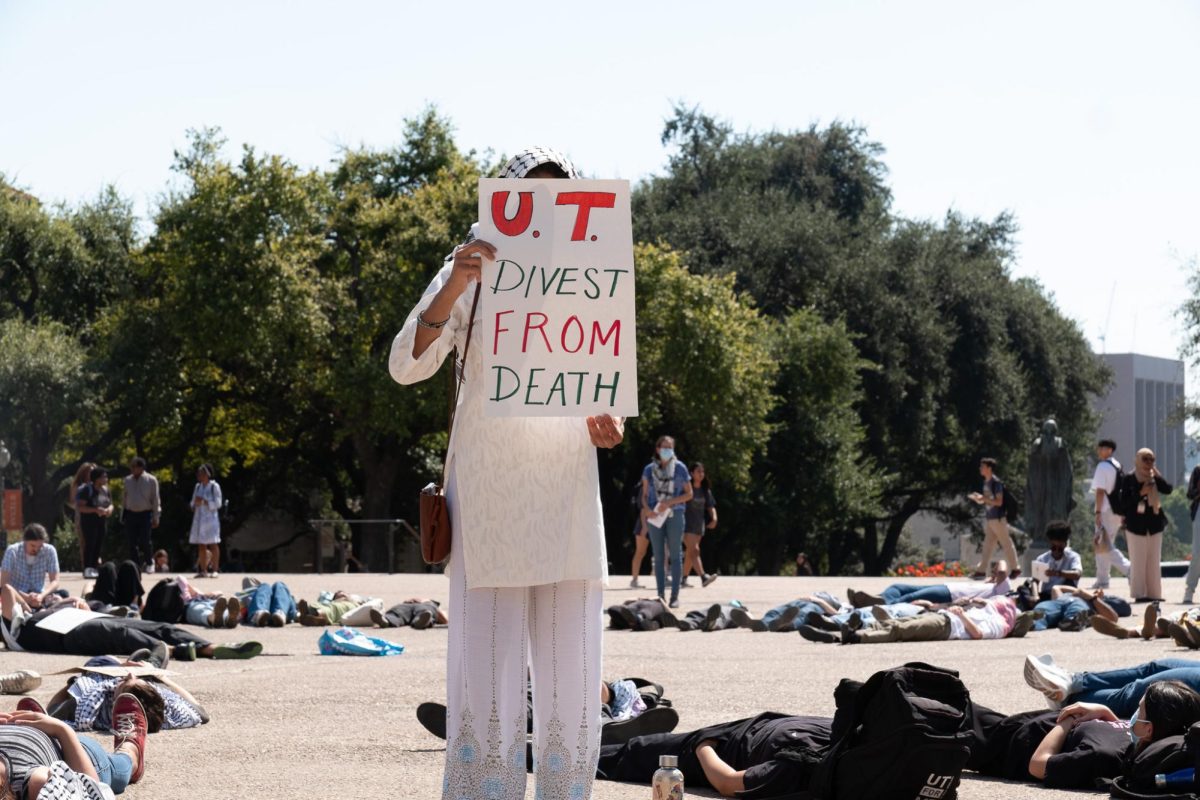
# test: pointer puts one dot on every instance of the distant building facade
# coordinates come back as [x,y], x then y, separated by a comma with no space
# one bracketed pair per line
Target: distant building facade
[1144,408]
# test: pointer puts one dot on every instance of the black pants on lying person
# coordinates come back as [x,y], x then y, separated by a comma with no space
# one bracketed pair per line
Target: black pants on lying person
[117,585]
[104,636]
[641,615]
[769,748]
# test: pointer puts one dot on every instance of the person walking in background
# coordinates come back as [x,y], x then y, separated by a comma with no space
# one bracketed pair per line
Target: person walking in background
[641,543]
[1140,502]
[527,555]
[804,567]
[995,526]
[1193,573]
[700,515]
[666,489]
[83,476]
[93,503]
[1104,483]
[206,523]
[140,510]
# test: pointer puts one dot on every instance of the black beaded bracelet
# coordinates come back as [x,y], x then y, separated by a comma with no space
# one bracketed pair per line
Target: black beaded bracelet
[433,326]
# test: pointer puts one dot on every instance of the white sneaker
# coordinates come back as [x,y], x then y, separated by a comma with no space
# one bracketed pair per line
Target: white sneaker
[20,682]
[91,572]
[1051,680]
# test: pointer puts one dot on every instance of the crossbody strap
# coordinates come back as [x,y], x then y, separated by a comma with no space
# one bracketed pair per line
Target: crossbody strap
[458,382]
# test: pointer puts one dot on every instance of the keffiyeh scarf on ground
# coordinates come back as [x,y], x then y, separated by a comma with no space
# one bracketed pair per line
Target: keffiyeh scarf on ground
[352,642]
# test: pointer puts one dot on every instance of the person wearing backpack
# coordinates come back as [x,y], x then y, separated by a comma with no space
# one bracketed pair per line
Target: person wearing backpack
[1108,522]
[995,523]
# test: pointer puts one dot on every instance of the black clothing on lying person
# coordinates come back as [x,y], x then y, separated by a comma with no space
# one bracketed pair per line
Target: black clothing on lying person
[117,586]
[101,636]
[640,615]
[1004,746]
[770,747]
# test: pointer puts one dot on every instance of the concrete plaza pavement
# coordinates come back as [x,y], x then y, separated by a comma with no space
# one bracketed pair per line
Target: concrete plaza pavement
[292,723]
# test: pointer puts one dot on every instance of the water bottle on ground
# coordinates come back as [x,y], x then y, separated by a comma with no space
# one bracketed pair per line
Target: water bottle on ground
[668,780]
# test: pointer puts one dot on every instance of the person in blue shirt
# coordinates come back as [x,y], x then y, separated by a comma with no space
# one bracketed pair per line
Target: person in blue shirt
[31,567]
[666,489]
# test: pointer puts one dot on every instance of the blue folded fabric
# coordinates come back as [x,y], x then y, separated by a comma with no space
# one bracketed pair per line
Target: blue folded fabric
[351,642]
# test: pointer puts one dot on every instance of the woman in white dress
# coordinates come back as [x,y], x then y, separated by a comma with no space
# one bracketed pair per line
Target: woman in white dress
[206,523]
[527,561]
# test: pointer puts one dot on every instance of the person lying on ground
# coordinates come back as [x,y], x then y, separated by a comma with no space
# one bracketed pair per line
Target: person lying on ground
[30,566]
[1118,689]
[416,612]
[339,608]
[39,754]
[105,635]
[816,627]
[629,707]
[764,754]
[995,618]
[1071,608]
[791,615]
[941,594]
[85,702]
[643,614]
[716,617]
[117,590]
[269,604]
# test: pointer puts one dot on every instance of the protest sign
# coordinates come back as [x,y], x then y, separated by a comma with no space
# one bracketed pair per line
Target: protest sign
[557,303]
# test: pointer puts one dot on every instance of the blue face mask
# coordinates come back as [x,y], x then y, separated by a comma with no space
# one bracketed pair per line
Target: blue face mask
[1133,737]
[666,453]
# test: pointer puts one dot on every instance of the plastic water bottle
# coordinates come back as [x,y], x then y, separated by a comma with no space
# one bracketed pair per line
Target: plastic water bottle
[1180,778]
[668,780]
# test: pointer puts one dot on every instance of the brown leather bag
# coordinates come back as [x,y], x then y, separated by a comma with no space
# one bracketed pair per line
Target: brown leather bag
[436,530]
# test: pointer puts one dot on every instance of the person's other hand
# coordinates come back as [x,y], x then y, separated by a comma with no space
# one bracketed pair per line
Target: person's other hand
[606,430]
[1082,712]
[468,262]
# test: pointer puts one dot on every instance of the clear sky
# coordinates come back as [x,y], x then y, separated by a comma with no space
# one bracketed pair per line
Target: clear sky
[1081,118]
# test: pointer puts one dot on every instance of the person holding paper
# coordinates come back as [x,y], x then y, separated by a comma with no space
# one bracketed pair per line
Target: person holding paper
[527,557]
[666,490]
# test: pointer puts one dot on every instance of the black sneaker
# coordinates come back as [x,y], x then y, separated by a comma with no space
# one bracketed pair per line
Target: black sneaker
[821,622]
[709,578]
[422,620]
[849,635]
[432,717]
[628,617]
[817,635]
[744,620]
[711,617]
[659,719]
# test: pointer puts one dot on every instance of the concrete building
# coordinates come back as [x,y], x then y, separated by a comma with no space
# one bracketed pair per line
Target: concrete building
[1144,408]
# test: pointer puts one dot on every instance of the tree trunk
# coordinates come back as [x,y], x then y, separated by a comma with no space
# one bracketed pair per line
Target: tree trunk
[381,467]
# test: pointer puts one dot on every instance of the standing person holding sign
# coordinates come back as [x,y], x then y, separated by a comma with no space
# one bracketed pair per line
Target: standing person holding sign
[666,490]
[527,560]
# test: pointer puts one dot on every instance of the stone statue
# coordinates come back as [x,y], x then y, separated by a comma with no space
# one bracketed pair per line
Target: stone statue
[1049,485]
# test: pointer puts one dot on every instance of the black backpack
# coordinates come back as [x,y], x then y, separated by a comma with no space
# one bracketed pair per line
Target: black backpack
[1159,758]
[164,603]
[1118,499]
[905,734]
[1010,506]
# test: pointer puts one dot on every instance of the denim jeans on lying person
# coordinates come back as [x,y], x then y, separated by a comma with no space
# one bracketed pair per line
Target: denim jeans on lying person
[196,612]
[908,593]
[113,769]
[1056,612]
[271,597]
[1122,689]
[894,610]
[805,607]
[668,538]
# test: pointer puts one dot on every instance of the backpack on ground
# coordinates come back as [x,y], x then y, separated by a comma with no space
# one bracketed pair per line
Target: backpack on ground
[905,734]
[1159,758]
[164,603]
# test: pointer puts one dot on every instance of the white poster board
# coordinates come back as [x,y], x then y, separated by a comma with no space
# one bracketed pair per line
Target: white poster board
[559,333]
[67,619]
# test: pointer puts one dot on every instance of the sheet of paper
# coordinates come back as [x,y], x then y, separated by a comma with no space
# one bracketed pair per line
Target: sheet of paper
[557,304]
[67,620]
[658,520]
[1039,570]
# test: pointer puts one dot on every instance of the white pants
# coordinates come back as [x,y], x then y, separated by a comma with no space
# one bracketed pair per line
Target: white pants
[494,633]
[1109,524]
[1193,573]
[1145,571]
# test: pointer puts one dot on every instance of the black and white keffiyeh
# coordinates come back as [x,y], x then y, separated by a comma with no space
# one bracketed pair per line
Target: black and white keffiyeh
[525,162]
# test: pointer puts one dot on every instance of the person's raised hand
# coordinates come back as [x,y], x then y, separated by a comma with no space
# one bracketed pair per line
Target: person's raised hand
[606,430]
[468,262]
[1082,712]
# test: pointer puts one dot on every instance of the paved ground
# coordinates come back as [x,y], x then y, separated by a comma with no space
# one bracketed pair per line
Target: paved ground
[292,723]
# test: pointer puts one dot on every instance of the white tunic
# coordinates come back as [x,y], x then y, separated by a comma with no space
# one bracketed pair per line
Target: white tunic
[524,492]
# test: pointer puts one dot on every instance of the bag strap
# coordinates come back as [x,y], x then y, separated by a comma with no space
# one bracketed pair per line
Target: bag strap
[458,384]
